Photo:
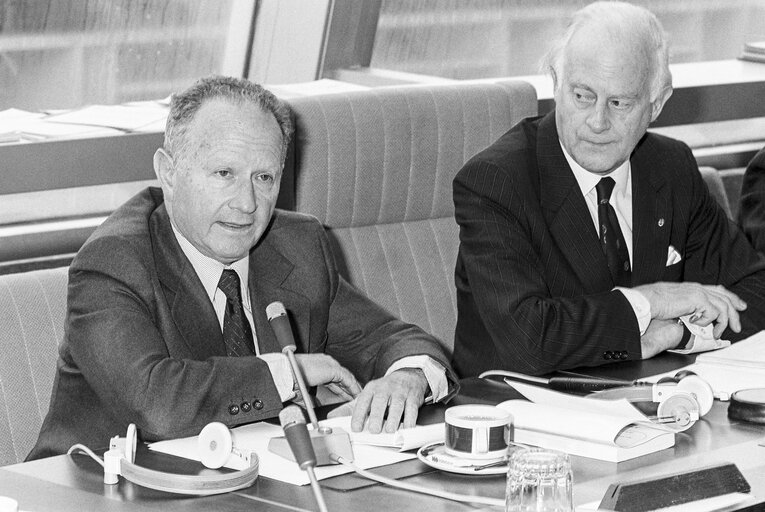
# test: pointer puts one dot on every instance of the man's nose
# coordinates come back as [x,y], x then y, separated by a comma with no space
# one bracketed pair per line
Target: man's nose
[245,199]
[598,119]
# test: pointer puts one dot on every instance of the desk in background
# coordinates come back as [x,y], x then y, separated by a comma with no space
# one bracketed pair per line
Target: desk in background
[63,483]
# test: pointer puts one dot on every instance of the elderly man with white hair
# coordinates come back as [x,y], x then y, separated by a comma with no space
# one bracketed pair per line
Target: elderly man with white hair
[583,238]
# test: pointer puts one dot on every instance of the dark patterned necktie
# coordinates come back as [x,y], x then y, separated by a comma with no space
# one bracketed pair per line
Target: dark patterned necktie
[611,238]
[236,329]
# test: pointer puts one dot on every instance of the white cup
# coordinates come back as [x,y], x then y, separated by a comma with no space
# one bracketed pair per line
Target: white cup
[476,431]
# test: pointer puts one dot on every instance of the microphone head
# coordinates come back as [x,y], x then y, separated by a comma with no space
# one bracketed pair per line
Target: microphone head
[296,432]
[274,310]
[291,415]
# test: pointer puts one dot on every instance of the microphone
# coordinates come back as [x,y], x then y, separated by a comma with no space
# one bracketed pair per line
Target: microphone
[280,323]
[326,444]
[293,424]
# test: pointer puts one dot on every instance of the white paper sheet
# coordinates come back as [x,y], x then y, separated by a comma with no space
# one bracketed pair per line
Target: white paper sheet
[255,437]
[618,408]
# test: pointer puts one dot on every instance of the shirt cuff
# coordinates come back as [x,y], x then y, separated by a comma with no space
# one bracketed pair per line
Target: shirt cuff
[640,306]
[434,373]
[281,372]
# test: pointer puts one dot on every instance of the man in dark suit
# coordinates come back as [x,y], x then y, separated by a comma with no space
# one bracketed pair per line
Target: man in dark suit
[166,324]
[751,210]
[583,239]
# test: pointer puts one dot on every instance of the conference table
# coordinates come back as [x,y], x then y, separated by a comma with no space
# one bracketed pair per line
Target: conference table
[75,483]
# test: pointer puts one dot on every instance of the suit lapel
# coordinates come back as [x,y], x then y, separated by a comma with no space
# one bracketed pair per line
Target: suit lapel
[651,216]
[269,273]
[191,308]
[566,212]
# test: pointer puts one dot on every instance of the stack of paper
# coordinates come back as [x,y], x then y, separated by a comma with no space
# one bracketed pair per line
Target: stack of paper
[754,51]
[610,430]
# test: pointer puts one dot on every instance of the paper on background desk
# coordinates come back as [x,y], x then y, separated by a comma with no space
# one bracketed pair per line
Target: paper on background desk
[128,118]
[255,437]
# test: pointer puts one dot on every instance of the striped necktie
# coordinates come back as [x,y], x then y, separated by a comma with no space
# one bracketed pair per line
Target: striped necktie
[237,334]
[611,238]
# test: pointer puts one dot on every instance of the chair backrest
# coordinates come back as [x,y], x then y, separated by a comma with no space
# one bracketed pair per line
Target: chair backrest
[714,181]
[32,313]
[376,168]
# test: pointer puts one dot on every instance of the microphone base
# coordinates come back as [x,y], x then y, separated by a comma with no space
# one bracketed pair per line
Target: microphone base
[337,443]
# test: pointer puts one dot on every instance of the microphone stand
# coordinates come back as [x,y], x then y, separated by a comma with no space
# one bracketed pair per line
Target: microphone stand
[290,352]
[316,489]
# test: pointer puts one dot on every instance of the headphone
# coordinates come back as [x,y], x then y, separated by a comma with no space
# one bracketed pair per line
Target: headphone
[682,399]
[215,445]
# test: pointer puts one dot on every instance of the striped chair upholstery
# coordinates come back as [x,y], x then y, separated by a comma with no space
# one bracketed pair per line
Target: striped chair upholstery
[376,168]
[32,311]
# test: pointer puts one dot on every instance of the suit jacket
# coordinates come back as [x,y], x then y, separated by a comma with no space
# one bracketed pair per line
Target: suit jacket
[751,211]
[534,293]
[143,344]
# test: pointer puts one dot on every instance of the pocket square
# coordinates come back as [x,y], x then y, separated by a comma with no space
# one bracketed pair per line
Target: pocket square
[673,256]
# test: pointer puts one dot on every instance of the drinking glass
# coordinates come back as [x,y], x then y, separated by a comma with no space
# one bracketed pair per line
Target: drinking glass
[539,480]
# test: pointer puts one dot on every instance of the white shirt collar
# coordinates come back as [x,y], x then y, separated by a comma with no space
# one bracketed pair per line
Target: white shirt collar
[210,270]
[588,180]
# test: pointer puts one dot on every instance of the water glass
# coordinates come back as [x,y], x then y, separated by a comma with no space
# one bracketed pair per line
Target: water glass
[539,480]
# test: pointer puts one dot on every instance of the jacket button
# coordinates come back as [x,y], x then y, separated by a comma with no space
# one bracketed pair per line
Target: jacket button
[257,403]
[233,409]
[245,406]
[622,355]
[607,355]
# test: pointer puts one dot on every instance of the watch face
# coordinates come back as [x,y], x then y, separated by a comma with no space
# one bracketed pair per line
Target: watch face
[748,405]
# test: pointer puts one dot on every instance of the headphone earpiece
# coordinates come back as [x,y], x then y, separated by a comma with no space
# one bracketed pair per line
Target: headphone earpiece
[215,448]
[680,411]
[699,389]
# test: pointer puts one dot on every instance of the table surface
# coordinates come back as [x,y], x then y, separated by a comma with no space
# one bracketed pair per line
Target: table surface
[66,483]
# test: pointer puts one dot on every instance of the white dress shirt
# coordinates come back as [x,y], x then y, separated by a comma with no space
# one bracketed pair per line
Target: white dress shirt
[209,272]
[621,200]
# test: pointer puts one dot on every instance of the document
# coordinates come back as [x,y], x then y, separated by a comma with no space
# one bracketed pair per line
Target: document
[610,430]
[403,439]
[739,366]
[368,452]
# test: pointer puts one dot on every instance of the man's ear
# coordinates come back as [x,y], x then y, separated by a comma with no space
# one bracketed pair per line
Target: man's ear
[164,168]
[658,104]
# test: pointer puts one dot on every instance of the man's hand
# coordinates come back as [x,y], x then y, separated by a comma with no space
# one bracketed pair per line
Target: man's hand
[706,304]
[323,369]
[400,392]
[661,335]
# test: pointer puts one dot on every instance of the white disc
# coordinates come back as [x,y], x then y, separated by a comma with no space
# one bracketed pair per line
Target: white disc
[214,445]
[678,411]
[130,443]
[700,389]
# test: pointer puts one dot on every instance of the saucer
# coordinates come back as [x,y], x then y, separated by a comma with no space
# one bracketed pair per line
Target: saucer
[435,456]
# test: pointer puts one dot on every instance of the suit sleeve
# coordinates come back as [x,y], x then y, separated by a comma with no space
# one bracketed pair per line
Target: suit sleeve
[509,271]
[751,212]
[138,366]
[718,252]
[367,339]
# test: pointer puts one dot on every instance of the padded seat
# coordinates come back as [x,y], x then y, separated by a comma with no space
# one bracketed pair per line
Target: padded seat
[376,168]
[32,313]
